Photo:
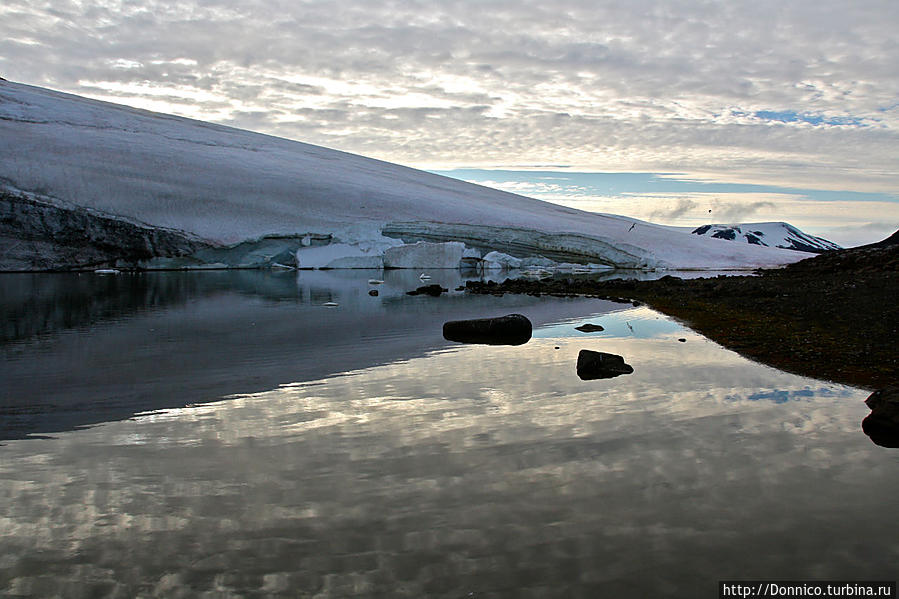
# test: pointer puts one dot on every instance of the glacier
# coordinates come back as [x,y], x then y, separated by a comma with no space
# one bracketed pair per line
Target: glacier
[89,184]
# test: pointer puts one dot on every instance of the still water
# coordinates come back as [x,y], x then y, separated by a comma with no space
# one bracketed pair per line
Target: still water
[223,434]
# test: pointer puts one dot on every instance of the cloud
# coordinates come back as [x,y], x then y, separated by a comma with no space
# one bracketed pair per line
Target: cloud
[537,188]
[737,212]
[683,206]
[762,92]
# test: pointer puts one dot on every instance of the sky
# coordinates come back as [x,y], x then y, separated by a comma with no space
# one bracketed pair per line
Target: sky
[663,110]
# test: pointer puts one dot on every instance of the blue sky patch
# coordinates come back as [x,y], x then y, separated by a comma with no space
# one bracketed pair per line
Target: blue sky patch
[791,116]
[621,184]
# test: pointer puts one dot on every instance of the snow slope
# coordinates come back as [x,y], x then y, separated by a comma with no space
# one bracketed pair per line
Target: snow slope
[226,186]
[781,235]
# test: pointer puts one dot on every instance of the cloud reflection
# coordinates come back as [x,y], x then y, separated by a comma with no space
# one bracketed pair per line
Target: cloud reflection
[471,469]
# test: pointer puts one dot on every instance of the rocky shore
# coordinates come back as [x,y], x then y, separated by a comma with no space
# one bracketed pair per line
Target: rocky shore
[833,316]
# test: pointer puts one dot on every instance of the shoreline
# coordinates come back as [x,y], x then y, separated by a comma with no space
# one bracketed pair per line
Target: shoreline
[832,317]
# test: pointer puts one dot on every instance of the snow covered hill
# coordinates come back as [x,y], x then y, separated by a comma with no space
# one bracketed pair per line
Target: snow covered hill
[781,235]
[203,194]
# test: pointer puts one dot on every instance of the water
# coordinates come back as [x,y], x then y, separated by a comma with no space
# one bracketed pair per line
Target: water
[225,435]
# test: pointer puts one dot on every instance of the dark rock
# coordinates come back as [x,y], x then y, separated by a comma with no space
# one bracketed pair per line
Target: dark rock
[512,329]
[670,279]
[729,234]
[682,340]
[373,292]
[589,328]
[600,365]
[432,290]
[753,239]
[286,257]
[37,235]
[882,424]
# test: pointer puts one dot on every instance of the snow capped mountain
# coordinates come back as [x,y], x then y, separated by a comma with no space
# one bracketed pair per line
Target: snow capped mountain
[780,235]
[207,195]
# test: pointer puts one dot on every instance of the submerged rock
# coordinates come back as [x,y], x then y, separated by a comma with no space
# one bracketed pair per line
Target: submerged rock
[432,290]
[589,328]
[600,365]
[882,424]
[512,329]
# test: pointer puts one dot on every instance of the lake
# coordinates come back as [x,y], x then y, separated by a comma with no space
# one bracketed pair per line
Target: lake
[225,434]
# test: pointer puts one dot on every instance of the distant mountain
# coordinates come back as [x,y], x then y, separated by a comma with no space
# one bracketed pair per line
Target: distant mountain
[85,183]
[779,235]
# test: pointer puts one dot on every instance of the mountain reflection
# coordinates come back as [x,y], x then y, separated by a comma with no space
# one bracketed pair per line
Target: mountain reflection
[80,349]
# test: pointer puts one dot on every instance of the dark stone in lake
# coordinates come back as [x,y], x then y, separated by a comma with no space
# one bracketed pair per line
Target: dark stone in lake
[589,328]
[682,340]
[882,424]
[600,365]
[373,292]
[432,290]
[512,329]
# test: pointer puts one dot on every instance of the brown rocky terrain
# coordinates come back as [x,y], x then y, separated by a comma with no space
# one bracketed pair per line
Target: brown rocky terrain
[833,316]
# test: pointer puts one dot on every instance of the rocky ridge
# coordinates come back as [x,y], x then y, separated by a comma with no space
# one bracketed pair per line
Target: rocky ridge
[834,316]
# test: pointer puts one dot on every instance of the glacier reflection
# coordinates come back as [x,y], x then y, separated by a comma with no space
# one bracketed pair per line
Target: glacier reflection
[466,471]
[84,349]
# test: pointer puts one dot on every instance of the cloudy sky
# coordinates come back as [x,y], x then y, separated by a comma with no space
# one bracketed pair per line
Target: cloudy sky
[757,110]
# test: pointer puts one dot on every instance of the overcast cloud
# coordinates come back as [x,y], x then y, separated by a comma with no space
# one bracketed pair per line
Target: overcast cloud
[802,93]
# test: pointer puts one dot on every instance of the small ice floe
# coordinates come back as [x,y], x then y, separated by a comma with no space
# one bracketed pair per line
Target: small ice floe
[279,266]
[107,271]
[375,281]
[330,304]
[424,276]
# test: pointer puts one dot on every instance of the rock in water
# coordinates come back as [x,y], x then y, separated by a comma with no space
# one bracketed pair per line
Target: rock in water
[589,328]
[512,329]
[882,424]
[432,290]
[600,365]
